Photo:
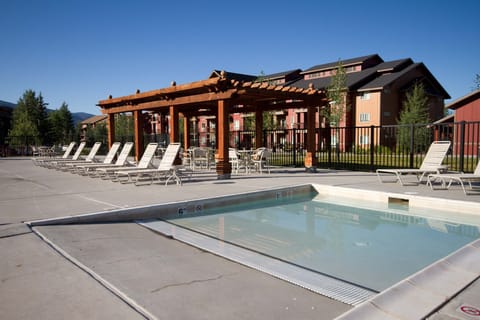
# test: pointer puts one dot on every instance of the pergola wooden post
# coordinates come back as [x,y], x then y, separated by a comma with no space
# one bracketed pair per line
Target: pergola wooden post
[311,160]
[223,166]
[138,132]
[186,132]
[173,124]
[111,129]
[219,95]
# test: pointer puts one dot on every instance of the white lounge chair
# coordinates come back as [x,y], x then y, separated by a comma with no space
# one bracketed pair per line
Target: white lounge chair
[460,177]
[432,163]
[40,161]
[144,163]
[75,157]
[90,158]
[90,169]
[166,169]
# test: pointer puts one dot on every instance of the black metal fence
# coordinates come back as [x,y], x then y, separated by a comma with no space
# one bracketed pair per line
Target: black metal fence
[371,147]
[352,148]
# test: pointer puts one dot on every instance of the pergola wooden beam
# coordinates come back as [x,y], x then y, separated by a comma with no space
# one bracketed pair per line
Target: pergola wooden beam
[216,96]
[180,101]
[154,94]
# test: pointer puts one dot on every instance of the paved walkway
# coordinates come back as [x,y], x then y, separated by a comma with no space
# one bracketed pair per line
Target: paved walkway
[123,271]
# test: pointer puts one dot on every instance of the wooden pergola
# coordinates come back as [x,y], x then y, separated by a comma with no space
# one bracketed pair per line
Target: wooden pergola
[220,95]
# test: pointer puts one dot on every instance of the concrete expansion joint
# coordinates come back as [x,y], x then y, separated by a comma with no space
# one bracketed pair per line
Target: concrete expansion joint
[103,282]
[391,315]
[188,283]
[14,229]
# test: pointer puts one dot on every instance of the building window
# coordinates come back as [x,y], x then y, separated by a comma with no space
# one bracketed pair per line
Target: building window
[350,69]
[363,140]
[364,117]
[365,96]
[316,75]
[236,124]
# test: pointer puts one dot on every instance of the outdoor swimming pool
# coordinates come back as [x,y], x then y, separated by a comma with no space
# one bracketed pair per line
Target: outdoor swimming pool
[366,247]
[348,247]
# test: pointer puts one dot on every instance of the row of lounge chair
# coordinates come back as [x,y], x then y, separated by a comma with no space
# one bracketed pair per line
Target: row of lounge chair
[433,169]
[121,170]
[125,172]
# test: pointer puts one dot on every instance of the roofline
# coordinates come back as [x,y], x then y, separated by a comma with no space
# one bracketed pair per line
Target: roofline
[333,65]
[405,71]
[445,119]
[464,100]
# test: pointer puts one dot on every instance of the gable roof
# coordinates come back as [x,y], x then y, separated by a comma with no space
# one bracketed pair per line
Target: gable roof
[94,119]
[387,79]
[460,102]
[392,66]
[369,60]
[232,75]
[354,80]
[285,74]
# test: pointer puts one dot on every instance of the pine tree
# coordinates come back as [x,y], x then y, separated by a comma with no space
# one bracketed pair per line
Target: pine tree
[414,113]
[29,119]
[61,127]
[336,93]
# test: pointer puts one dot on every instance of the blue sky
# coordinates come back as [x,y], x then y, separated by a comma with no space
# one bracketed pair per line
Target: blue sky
[79,52]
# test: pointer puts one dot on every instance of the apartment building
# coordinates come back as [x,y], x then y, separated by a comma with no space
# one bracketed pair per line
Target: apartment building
[376,90]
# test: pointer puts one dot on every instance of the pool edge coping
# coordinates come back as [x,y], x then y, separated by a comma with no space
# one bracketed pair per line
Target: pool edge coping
[402,291]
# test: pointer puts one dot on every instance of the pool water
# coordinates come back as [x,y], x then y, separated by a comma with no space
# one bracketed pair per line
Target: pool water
[367,247]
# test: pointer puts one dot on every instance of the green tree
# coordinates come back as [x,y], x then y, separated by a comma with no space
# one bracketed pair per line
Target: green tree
[97,133]
[29,118]
[336,93]
[414,113]
[61,128]
[124,127]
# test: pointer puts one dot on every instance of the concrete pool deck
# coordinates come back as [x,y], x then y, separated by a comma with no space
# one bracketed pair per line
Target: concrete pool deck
[124,271]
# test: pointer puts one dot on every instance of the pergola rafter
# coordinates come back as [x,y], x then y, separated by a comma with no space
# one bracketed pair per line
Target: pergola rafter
[219,95]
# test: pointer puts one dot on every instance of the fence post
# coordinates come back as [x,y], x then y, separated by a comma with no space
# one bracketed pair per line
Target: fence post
[329,145]
[372,148]
[412,144]
[462,146]
[294,147]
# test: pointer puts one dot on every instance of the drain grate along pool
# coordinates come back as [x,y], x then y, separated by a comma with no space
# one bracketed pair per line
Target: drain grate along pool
[314,281]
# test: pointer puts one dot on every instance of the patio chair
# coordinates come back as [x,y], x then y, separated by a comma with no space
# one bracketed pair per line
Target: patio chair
[90,169]
[40,161]
[234,159]
[261,159]
[56,162]
[166,169]
[35,151]
[90,158]
[459,177]
[202,157]
[432,163]
[144,163]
